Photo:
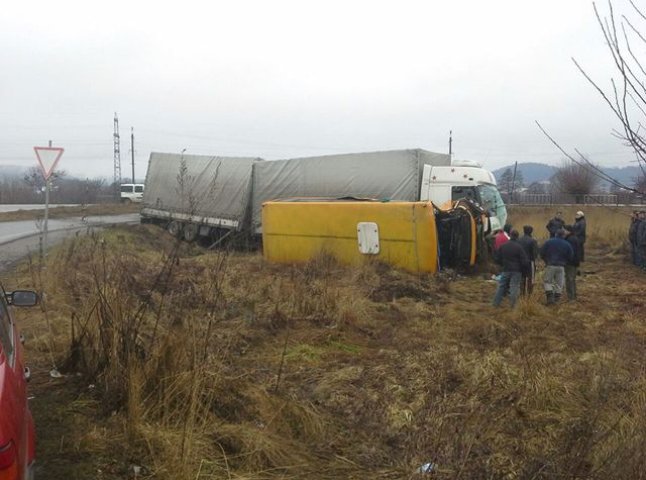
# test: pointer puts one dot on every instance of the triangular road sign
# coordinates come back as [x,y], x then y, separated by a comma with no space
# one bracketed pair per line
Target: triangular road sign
[48,157]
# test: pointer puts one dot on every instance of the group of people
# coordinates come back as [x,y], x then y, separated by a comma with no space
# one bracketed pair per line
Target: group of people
[637,238]
[562,253]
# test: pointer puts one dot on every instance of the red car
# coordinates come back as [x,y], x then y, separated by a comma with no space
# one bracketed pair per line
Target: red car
[17,437]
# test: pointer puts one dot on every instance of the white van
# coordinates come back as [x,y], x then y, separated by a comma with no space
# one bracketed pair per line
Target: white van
[132,192]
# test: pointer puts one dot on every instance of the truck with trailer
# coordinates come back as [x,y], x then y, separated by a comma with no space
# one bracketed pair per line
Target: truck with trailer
[216,197]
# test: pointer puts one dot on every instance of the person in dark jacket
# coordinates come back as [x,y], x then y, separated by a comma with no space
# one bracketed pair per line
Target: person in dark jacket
[578,228]
[641,240]
[555,224]
[513,259]
[556,253]
[530,246]
[572,266]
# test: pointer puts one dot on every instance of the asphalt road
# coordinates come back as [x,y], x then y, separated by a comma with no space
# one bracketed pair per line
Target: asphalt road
[8,207]
[18,239]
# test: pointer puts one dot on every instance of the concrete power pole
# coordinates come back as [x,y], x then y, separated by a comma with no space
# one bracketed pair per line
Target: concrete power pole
[132,151]
[117,157]
[450,142]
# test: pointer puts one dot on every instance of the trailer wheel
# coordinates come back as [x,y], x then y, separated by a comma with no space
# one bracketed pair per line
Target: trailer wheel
[190,231]
[174,228]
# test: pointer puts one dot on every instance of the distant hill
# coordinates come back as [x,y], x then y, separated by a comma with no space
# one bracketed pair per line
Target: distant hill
[538,172]
[532,172]
[625,175]
[12,171]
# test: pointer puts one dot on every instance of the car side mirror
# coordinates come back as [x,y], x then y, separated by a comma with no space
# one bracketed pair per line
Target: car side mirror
[22,298]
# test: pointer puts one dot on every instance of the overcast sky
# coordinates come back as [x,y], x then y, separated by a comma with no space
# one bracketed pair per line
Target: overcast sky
[280,79]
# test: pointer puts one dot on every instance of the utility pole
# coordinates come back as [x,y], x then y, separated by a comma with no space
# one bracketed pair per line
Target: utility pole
[48,186]
[132,151]
[513,183]
[117,157]
[450,142]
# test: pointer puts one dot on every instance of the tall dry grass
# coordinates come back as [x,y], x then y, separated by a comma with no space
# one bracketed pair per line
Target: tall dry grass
[607,226]
[220,365]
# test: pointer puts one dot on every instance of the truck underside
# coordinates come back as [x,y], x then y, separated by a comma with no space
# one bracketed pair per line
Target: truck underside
[455,238]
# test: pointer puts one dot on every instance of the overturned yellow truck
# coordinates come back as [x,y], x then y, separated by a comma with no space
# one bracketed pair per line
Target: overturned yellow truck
[416,236]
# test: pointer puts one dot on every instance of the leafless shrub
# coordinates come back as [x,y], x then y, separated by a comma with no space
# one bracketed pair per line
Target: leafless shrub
[574,179]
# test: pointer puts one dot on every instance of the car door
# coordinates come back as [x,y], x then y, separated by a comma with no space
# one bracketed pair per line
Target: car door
[14,420]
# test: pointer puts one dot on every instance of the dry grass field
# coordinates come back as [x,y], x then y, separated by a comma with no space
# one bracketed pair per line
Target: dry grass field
[179,363]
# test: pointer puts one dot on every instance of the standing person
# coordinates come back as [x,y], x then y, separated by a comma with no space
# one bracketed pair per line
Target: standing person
[501,237]
[556,253]
[530,246]
[572,266]
[555,223]
[632,238]
[641,240]
[578,229]
[513,259]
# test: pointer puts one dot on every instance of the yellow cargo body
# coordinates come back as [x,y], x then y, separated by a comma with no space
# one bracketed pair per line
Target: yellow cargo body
[297,231]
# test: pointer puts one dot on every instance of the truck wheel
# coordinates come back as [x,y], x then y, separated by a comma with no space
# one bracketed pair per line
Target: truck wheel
[190,231]
[174,228]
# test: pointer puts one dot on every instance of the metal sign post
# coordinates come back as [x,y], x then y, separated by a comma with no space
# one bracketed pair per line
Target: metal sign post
[48,157]
[45,229]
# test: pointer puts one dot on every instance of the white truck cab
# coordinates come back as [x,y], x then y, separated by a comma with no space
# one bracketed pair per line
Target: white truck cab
[465,179]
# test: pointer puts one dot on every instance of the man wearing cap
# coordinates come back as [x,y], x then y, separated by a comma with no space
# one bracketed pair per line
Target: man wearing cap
[555,223]
[513,259]
[530,246]
[578,229]
[556,253]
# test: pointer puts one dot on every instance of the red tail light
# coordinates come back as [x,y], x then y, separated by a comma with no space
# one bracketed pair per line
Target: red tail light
[8,463]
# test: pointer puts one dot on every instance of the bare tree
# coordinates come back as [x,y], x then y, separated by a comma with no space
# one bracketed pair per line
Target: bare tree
[626,95]
[64,189]
[575,179]
[35,178]
[536,188]
[509,183]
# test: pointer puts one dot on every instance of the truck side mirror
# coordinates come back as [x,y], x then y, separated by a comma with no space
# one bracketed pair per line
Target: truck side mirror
[22,298]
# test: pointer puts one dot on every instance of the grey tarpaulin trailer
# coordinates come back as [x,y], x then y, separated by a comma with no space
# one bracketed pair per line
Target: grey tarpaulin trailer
[198,194]
[392,175]
[227,193]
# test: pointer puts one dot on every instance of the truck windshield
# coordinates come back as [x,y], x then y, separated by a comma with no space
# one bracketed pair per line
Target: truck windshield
[460,192]
[492,202]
